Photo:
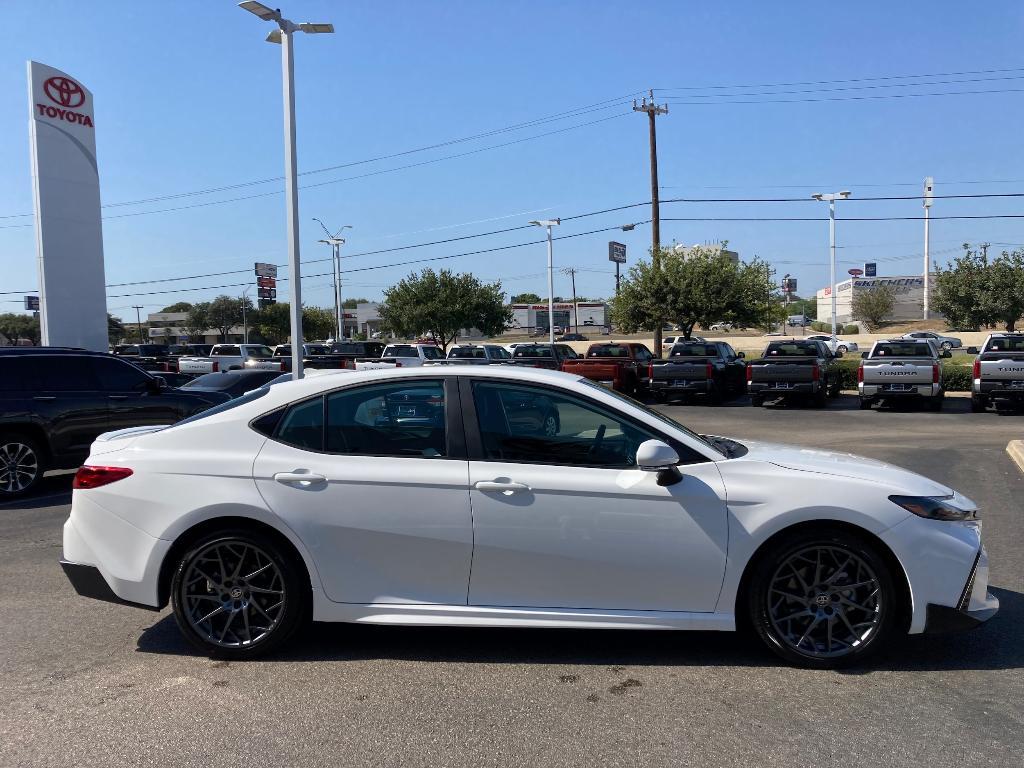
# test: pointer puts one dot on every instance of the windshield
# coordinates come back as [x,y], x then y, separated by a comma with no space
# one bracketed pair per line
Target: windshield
[468,353]
[400,350]
[248,397]
[659,416]
[259,352]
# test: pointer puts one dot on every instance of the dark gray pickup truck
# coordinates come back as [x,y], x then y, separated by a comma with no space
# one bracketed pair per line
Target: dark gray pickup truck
[795,367]
[709,368]
[999,371]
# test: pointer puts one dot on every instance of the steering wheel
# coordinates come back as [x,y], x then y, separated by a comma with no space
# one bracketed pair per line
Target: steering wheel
[598,440]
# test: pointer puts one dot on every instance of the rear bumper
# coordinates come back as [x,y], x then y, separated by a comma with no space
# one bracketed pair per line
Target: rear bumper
[688,386]
[997,390]
[89,582]
[918,390]
[774,388]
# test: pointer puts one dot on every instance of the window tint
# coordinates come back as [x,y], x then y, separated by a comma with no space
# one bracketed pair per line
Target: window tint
[467,353]
[400,419]
[12,377]
[118,376]
[400,350]
[906,349]
[227,349]
[62,374]
[539,426]
[246,398]
[804,349]
[609,350]
[694,350]
[433,353]
[532,352]
[303,425]
[258,352]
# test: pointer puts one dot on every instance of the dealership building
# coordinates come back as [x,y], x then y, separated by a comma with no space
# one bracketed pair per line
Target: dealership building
[908,305]
[529,317]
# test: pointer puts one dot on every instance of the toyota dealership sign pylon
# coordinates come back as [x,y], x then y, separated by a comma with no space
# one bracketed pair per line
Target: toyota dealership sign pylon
[69,233]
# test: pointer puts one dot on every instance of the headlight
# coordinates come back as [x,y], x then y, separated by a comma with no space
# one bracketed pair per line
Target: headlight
[934,507]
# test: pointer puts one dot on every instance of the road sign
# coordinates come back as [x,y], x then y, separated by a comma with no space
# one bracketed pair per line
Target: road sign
[856,272]
[617,252]
[870,269]
[266,282]
[32,303]
[789,285]
[267,293]
[266,270]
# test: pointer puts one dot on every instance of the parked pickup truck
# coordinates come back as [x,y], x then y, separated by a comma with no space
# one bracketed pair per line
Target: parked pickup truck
[623,366]
[549,356]
[901,369]
[341,354]
[149,357]
[794,367]
[230,357]
[476,354]
[707,368]
[999,371]
[401,356]
[283,354]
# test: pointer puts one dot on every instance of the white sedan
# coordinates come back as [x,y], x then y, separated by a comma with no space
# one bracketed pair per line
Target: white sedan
[841,345]
[513,497]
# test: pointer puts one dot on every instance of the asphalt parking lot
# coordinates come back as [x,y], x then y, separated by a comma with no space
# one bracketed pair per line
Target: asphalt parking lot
[87,683]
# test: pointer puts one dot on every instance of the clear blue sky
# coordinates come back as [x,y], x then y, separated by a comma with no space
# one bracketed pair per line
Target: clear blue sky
[188,98]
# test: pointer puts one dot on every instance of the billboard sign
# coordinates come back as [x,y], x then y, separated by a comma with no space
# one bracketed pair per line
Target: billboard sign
[32,303]
[69,236]
[870,269]
[266,270]
[617,252]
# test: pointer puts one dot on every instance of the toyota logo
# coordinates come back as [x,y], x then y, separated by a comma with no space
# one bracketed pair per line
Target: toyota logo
[64,91]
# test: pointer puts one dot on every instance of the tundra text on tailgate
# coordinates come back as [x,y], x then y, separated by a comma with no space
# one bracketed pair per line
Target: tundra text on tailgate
[899,369]
[998,371]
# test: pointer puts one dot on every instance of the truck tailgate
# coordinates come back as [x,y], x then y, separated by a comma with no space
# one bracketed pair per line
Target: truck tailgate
[594,370]
[1001,366]
[680,370]
[783,371]
[897,372]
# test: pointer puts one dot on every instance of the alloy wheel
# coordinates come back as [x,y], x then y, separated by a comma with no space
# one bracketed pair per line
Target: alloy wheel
[825,602]
[233,594]
[19,466]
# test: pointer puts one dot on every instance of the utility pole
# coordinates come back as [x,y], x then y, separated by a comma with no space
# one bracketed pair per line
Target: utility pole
[548,224]
[245,326]
[336,242]
[653,110]
[929,185]
[138,321]
[571,272]
[831,200]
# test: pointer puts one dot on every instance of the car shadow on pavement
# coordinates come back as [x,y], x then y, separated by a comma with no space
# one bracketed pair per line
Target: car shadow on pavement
[995,645]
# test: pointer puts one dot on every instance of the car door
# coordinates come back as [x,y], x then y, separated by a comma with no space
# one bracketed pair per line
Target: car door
[563,518]
[67,399]
[374,480]
[132,401]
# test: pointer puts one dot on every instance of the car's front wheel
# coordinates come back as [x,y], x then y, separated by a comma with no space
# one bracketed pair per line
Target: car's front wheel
[21,465]
[237,594]
[824,599]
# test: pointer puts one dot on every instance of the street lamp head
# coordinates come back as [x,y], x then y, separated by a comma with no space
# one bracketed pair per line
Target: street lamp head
[547,223]
[844,194]
[316,29]
[274,36]
[259,9]
[817,196]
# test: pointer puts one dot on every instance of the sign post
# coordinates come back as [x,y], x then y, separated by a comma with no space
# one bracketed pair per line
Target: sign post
[69,235]
[617,253]
[266,284]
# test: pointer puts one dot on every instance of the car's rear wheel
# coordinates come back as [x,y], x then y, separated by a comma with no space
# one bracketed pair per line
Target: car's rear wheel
[865,404]
[824,599]
[757,400]
[946,346]
[21,464]
[237,594]
[978,404]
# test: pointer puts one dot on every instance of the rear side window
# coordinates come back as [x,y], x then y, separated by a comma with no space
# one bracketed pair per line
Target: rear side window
[12,378]
[405,419]
[694,350]
[303,425]
[532,352]
[67,373]
[1001,344]
[792,350]
[610,350]
[432,353]
[118,376]
[902,350]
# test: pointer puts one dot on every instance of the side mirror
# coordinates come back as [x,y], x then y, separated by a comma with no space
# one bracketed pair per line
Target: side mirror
[656,456]
[946,354]
[839,353]
[972,350]
[863,355]
[741,355]
[155,384]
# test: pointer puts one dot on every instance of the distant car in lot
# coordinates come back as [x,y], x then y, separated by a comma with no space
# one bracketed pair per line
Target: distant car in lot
[504,496]
[55,401]
[841,344]
[573,337]
[543,355]
[670,341]
[998,372]
[401,356]
[942,342]
[723,326]
[233,383]
[798,320]
[228,357]
[476,354]
[149,357]
[902,369]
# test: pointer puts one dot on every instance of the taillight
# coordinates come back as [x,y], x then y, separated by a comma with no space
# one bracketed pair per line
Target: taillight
[977,369]
[282,365]
[750,374]
[216,367]
[398,363]
[935,373]
[860,374]
[650,370]
[94,477]
[710,371]
[815,373]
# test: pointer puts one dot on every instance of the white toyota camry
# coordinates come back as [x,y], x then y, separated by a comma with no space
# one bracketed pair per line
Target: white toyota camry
[514,497]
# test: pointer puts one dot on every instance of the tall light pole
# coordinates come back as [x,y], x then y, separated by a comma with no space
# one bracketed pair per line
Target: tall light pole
[929,189]
[283,36]
[549,223]
[336,242]
[831,199]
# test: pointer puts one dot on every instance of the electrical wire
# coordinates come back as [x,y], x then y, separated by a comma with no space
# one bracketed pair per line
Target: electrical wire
[847,98]
[837,82]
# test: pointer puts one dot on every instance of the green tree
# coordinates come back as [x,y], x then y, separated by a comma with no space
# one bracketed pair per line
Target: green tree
[806,307]
[198,320]
[181,306]
[874,306]
[442,304]
[1004,294]
[17,326]
[225,312]
[960,291]
[115,329]
[274,323]
[317,322]
[702,288]
[525,298]
[353,303]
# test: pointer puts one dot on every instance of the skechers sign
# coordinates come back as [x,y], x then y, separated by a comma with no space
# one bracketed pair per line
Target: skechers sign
[66,94]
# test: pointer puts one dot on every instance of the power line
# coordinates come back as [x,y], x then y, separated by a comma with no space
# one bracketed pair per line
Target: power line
[847,98]
[848,88]
[836,82]
[849,218]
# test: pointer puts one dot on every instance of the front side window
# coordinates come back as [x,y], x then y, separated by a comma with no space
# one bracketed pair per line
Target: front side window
[524,424]
[405,419]
[118,376]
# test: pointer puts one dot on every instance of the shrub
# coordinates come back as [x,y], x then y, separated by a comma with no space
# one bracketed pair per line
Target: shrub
[956,378]
[821,327]
[851,329]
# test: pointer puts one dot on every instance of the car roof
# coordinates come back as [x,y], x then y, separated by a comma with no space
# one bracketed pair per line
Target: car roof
[53,351]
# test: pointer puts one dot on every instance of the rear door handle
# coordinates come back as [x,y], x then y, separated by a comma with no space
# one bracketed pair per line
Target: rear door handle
[45,397]
[118,397]
[488,485]
[299,477]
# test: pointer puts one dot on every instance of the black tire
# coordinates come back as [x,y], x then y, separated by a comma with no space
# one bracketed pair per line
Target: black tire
[935,403]
[978,403]
[715,396]
[946,346]
[821,396]
[757,400]
[282,578]
[770,608]
[22,463]
[659,397]
[865,404]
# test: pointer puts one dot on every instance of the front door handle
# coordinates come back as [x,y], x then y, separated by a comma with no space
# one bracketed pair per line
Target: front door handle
[304,478]
[501,487]
[45,397]
[118,397]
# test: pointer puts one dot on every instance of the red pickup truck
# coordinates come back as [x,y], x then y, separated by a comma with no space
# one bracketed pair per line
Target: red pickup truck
[621,365]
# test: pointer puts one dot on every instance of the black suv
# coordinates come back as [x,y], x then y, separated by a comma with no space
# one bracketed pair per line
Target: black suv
[55,401]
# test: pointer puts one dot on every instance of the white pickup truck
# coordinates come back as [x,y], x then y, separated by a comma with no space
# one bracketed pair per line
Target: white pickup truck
[998,371]
[401,356]
[901,369]
[230,357]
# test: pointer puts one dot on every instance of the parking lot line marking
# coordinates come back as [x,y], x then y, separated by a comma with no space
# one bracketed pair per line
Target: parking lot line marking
[1016,450]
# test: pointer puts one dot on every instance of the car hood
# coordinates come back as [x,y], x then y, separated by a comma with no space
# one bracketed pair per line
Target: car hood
[844,465]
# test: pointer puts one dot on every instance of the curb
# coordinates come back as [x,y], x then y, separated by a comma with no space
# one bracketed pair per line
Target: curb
[1016,450]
